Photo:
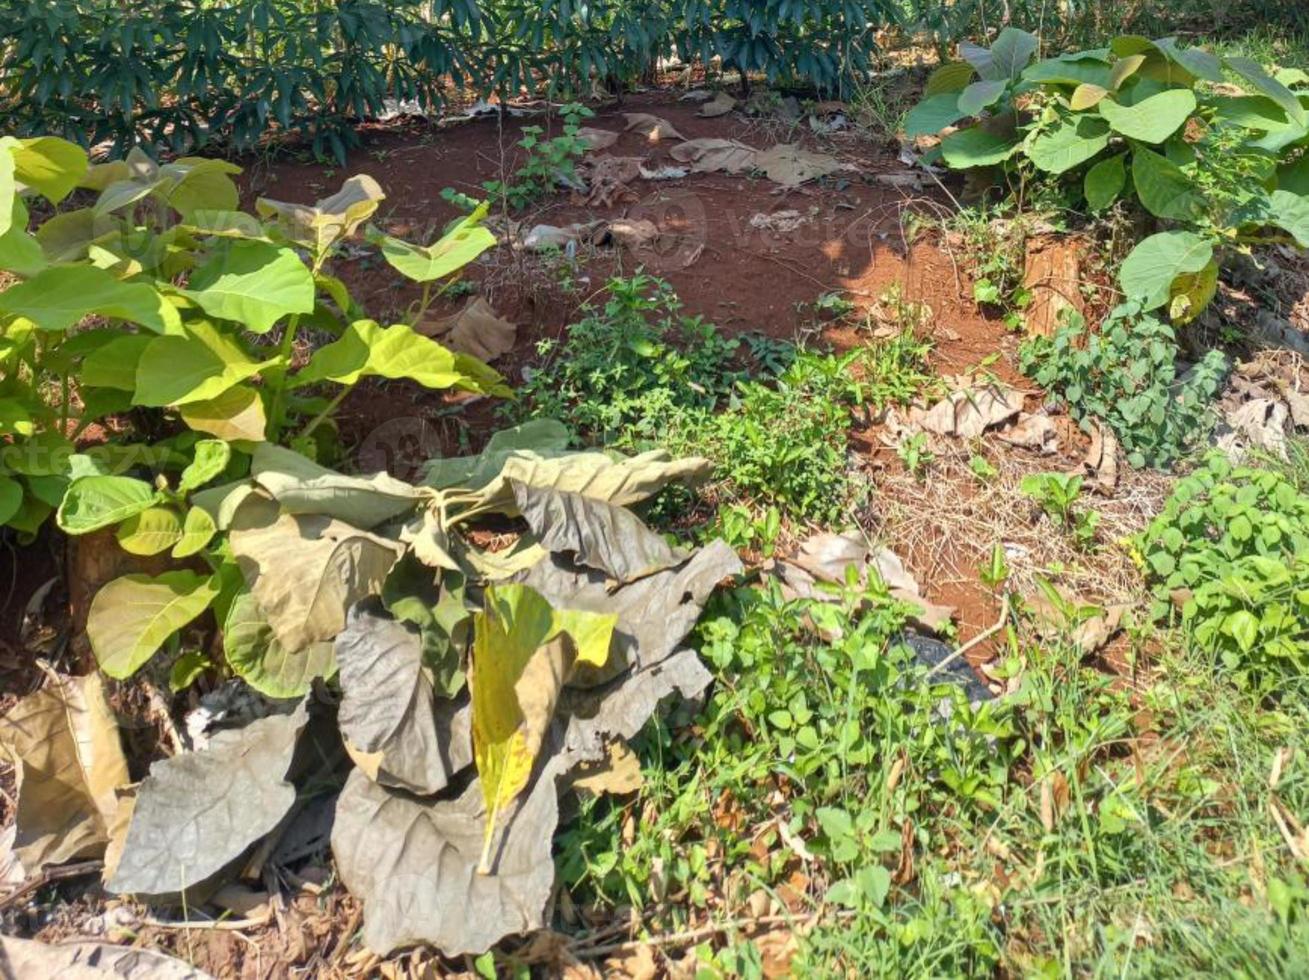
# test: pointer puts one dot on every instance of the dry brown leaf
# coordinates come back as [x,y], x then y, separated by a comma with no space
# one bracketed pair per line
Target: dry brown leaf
[1090,634]
[825,556]
[720,105]
[715,156]
[777,949]
[609,177]
[639,964]
[68,760]
[1101,462]
[634,233]
[1054,800]
[618,775]
[476,330]
[651,127]
[1036,432]
[118,830]
[90,961]
[597,139]
[791,165]
[1258,424]
[968,413]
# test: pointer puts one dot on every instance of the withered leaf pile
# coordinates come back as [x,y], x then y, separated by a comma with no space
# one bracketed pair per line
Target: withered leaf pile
[439,690]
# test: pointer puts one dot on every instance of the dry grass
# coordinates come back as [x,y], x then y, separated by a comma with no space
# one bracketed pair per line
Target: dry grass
[947,522]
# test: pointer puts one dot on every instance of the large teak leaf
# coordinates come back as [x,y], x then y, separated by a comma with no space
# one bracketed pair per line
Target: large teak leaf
[198,812]
[302,486]
[252,283]
[132,616]
[254,653]
[306,571]
[63,743]
[397,730]
[523,653]
[602,535]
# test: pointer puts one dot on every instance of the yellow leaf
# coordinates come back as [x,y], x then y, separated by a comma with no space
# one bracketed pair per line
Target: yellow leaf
[238,413]
[523,653]
[1191,292]
[1086,95]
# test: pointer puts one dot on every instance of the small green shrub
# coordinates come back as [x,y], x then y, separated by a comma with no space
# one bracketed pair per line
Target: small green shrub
[1232,547]
[1142,121]
[786,442]
[549,163]
[626,371]
[1058,493]
[1125,375]
[160,304]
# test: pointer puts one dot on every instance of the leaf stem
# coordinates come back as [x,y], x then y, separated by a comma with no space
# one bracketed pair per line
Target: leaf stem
[327,411]
[286,350]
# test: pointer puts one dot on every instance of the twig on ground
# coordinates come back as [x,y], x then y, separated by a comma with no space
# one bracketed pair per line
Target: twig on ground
[977,640]
[704,932]
[48,877]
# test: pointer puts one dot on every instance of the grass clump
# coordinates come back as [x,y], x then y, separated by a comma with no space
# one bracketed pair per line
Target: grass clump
[638,373]
[1125,375]
[1033,835]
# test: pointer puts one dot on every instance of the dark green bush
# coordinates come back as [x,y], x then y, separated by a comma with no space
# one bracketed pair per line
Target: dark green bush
[182,73]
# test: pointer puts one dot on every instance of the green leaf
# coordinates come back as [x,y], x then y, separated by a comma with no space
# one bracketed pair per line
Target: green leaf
[50,166]
[253,283]
[186,670]
[1197,61]
[1105,181]
[256,656]
[952,77]
[113,365]
[1069,145]
[1165,191]
[1152,120]
[1191,292]
[367,349]
[196,364]
[20,252]
[980,95]
[11,498]
[1290,212]
[1006,59]
[8,185]
[932,115]
[211,458]
[1266,85]
[459,246]
[16,418]
[196,184]
[1255,112]
[1060,71]
[1243,627]
[153,530]
[1294,177]
[979,146]
[93,502]
[197,531]
[1149,272]
[60,297]
[132,616]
